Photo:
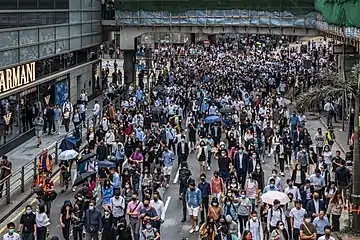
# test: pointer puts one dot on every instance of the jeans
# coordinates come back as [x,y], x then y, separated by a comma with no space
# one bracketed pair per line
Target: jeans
[41,233]
[242,222]
[205,205]
[296,234]
[27,236]
[92,236]
[67,124]
[335,222]
[78,233]
[57,125]
[135,228]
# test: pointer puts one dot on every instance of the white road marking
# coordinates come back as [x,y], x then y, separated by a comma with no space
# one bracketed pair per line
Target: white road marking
[176,179]
[167,203]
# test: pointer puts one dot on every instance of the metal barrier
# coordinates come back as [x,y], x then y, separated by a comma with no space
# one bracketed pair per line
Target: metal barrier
[22,178]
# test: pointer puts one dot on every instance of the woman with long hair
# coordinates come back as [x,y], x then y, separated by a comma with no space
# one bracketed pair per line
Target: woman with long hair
[298,176]
[42,222]
[215,210]
[208,229]
[279,233]
[107,192]
[335,208]
[330,192]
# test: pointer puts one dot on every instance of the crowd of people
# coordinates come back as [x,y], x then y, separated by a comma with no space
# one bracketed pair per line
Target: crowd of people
[224,106]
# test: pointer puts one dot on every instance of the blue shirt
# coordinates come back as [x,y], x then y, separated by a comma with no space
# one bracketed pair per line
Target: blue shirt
[320,224]
[193,198]
[204,188]
[57,115]
[269,189]
[116,180]
[168,158]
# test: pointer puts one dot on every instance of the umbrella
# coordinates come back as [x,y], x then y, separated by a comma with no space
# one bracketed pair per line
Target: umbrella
[270,196]
[68,155]
[212,119]
[226,110]
[106,164]
[157,109]
[82,178]
[87,157]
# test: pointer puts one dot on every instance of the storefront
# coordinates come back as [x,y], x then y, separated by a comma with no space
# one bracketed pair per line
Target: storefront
[27,89]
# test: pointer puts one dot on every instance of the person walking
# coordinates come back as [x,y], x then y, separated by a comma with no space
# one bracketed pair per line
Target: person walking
[5,171]
[65,219]
[57,119]
[133,210]
[96,111]
[92,222]
[27,226]
[38,124]
[11,234]
[194,201]
[42,222]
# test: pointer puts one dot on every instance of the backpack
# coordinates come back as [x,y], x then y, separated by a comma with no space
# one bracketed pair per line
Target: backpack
[271,213]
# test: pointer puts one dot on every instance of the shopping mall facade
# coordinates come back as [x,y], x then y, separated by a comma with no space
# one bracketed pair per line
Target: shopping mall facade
[48,53]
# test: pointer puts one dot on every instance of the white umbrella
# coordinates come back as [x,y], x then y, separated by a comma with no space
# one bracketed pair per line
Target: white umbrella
[270,196]
[68,155]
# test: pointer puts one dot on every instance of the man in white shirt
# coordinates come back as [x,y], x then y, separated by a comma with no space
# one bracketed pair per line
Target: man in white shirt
[68,105]
[292,189]
[11,234]
[329,108]
[327,235]
[96,110]
[117,206]
[296,219]
[159,208]
[255,227]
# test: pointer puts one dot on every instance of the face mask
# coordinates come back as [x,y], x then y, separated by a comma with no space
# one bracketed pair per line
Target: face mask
[148,226]
[243,196]
[308,220]
[327,234]
[134,199]
[91,208]
[228,203]
[233,181]
[215,204]
[107,214]
[258,168]
[254,218]
[156,199]
[240,151]
[281,227]
[272,185]
[274,174]
[216,176]
[146,205]
[229,194]
[203,179]
[316,197]
[28,211]
[11,231]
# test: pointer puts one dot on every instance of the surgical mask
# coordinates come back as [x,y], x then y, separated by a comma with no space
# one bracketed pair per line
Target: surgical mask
[243,196]
[11,231]
[233,181]
[127,186]
[281,227]
[91,208]
[148,226]
[229,194]
[107,214]
[258,168]
[254,218]
[146,205]
[272,185]
[327,234]
[308,220]
[274,174]
[28,211]
[228,203]
[215,204]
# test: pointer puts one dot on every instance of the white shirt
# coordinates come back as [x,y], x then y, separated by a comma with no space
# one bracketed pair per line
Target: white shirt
[117,206]
[323,238]
[298,215]
[159,207]
[96,109]
[328,107]
[14,236]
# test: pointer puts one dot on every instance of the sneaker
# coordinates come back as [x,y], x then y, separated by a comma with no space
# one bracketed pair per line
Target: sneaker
[208,168]
[262,161]
[282,174]
[269,155]
[197,228]
[183,220]
[167,185]
[73,189]
[192,231]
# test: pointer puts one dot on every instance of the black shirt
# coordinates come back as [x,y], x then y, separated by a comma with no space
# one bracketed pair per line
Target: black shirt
[28,221]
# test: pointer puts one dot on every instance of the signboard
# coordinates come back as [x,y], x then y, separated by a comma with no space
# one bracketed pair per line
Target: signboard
[339,49]
[15,77]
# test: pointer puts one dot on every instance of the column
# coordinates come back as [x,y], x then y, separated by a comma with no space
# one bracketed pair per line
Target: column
[129,66]
[212,38]
[193,38]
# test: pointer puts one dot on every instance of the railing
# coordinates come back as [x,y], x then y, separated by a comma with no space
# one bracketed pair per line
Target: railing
[23,178]
[214,18]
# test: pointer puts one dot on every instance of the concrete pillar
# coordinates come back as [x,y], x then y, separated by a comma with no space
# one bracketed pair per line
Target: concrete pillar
[129,66]
[212,38]
[193,37]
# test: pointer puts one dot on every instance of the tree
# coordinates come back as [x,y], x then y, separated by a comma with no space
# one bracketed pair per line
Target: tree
[333,84]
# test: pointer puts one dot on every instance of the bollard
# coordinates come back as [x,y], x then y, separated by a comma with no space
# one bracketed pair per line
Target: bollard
[22,186]
[7,184]
[56,152]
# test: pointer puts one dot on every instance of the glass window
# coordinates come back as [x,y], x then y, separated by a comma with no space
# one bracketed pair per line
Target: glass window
[62,32]
[62,4]
[62,46]
[29,36]
[75,5]
[46,4]
[43,68]
[47,34]
[75,30]
[61,17]
[9,57]
[8,4]
[86,28]
[27,4]
[47,49]
[86,41]
[75,43]
[96,39]
[86,16]
[96,15]
[9,39]
[27,19]
[46,18]
[29,53]
[96,27]
[75,17]
[8,20]
[86,4]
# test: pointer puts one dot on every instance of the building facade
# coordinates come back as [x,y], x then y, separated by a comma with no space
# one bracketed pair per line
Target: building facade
[48,53]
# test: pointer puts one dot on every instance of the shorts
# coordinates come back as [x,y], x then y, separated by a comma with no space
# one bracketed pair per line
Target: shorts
[38,133]
[167,170]
[193,211]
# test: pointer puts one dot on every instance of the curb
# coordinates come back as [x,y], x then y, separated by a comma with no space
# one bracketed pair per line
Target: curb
[336,141]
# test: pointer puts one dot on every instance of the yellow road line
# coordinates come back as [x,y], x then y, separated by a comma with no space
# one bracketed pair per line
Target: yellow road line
[23,210]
